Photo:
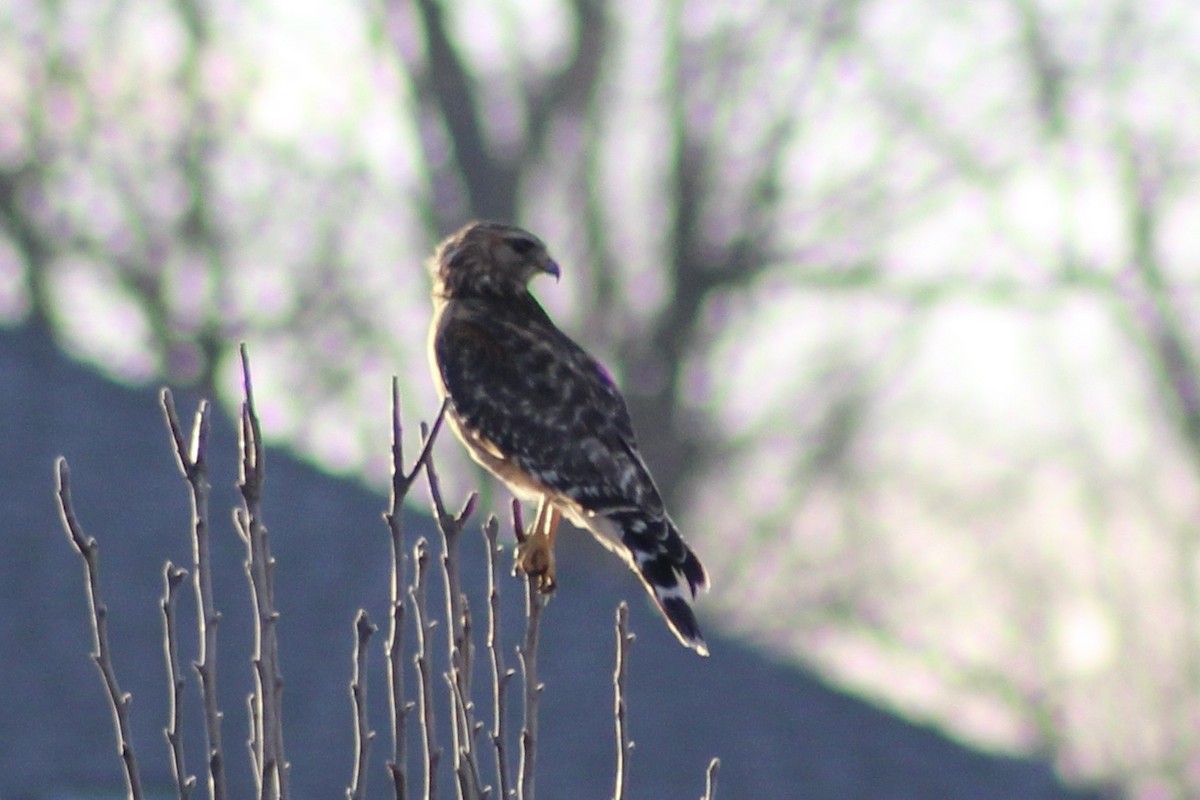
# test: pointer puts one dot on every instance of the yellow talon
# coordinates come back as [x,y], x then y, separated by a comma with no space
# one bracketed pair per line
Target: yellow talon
[535,555]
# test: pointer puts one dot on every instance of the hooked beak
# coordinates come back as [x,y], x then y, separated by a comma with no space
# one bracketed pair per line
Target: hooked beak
[551,268]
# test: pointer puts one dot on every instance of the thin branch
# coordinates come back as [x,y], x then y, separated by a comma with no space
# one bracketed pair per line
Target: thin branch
[433,753]
[89,550]
[527,654]
[461,650]
[710,780]
[620,710]
[358,694]
[172,578]
[272,766]
[394,517]
[466,770]
[193,463]
[500,676]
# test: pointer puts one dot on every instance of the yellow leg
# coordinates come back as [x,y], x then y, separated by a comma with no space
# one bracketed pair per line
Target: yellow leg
[535,555]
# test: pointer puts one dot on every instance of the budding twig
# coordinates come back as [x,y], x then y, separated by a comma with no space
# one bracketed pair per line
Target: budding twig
[620,710]
[172,578]
[461,649]
[424,625]
[267,739]
[363,629]
[500,675]
[402,482]
[119,701]
[710,780]
[192,460]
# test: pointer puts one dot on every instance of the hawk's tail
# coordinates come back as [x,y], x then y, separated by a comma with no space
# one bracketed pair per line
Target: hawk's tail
[670,571]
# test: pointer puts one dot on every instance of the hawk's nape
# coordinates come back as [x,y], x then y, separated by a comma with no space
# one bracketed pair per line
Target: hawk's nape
[546,418]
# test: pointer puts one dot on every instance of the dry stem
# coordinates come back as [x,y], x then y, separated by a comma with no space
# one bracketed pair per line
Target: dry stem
[527,654]
[193,463]
[710,780]
[461,649]
[417,594]
[500,675]
[620,710]
[267,739]
[363,734]
[89,550]
[172,578]
[394,517]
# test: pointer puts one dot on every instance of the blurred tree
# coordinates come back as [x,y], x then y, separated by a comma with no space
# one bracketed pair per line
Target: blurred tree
[900,293]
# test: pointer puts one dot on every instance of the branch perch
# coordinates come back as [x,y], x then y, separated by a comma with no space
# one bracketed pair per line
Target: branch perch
[535,601]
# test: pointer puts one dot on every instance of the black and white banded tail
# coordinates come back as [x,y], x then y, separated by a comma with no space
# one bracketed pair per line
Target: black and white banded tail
[670,571]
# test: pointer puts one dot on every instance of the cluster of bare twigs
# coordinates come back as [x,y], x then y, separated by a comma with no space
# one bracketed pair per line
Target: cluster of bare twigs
[266,736]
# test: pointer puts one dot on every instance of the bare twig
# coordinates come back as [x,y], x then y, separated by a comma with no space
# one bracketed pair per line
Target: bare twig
[710,780]
[500,675]
[267,747]
[192,462]
[394,517]
[620,710]
[363,734]
[255,722]
[433,753]
[89,550]
[469,781]
[461,649]
[172,578]
[527,654]
[401,484]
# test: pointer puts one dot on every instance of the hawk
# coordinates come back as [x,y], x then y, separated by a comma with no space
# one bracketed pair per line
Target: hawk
[547,419]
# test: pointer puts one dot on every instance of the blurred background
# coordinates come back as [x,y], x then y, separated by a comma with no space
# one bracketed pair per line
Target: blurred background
[904,296]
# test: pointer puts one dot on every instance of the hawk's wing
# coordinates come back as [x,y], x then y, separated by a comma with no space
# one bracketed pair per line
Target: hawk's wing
[540,401]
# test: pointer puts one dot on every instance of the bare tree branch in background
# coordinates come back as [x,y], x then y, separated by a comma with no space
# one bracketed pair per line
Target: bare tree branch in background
[449,94]
[1154,312]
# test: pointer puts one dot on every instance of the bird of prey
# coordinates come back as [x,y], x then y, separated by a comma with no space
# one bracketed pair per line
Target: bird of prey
[547,419]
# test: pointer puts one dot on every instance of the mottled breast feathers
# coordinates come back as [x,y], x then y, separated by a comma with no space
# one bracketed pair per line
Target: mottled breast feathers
[510,373]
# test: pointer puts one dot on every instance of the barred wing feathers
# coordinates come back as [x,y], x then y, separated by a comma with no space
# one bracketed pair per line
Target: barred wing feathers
[543,415]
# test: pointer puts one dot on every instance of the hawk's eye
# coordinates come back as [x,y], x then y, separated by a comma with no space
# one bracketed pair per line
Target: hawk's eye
[522,246]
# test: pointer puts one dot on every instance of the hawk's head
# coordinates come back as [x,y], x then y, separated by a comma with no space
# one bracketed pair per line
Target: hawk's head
[489,258]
